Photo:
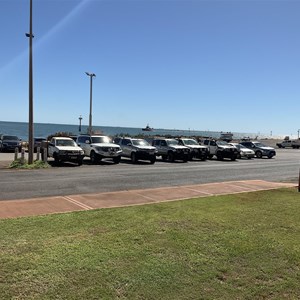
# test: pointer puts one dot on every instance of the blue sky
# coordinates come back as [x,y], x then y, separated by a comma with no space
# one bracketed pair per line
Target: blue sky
[189,64]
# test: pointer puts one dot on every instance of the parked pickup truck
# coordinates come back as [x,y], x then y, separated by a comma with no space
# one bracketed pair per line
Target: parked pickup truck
[196,150]
[289,143]
[221,149]
[65,149]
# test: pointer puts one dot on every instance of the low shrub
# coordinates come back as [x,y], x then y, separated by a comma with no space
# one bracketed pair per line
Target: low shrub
[23,164]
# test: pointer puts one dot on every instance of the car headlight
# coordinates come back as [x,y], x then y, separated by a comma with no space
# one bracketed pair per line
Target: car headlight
[81,152]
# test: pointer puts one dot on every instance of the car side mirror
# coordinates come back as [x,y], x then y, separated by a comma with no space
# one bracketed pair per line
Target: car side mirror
[129,144]
[87,141]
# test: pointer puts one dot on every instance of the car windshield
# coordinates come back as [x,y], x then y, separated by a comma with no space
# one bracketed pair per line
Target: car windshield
[190,142]
[65,143]
[10,138]
[172,142]
[140,143]
[259,145]
[101,139]
[222,143]
[241,146]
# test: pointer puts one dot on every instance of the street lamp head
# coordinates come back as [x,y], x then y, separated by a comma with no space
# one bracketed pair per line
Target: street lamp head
[90,74]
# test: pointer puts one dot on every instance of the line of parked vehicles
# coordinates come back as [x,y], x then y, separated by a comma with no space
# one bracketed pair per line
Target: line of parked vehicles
[98,147]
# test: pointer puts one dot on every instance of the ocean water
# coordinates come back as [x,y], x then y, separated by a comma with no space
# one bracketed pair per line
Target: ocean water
[20,129]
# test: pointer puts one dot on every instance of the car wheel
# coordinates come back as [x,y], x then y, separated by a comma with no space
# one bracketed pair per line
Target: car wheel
[117,159]
[153,159]
[258,154]
[171,156]
[219,156]
[133,157]
[164,157]
[56,158]
[93,157]
[210,156]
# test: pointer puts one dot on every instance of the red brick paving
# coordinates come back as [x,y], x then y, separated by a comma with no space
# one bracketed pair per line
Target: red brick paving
[68,203]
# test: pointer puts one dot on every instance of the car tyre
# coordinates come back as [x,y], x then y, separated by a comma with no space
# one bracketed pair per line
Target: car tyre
[93,157]
[56,158]
[258,154]
[219,156]
[171,156]
[133,157]
[153,159]
[117,159]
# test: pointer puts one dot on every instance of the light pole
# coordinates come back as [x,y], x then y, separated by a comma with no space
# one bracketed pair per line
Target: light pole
[91,75]
[30,127]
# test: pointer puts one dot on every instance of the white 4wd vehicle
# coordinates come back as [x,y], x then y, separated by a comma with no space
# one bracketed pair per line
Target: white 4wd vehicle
[221,149]
[65,149]
[98,147]
[196,150]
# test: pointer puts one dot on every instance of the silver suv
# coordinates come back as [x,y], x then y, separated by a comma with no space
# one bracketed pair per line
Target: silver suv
[171,149]
[137,149]
[196,150]
[259,149]
[98,147]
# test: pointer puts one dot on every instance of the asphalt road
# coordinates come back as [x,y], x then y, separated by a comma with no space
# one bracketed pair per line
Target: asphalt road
[69,179]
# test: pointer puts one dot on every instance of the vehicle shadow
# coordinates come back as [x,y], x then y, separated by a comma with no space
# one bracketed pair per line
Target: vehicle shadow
[66,164]
[139,162]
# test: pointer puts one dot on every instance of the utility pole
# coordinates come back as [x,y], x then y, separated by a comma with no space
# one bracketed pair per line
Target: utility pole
[80,118]
[91,75]
[30,126]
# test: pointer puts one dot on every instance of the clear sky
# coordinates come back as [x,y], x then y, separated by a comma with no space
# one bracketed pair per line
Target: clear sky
[184,64]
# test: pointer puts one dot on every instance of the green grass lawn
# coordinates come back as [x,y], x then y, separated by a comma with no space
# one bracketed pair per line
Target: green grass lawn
[242,246]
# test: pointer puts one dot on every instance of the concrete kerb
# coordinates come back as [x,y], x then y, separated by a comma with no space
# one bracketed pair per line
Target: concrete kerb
[69,203]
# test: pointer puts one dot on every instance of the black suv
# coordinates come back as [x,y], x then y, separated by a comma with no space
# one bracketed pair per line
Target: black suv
[10,142]
[259,149]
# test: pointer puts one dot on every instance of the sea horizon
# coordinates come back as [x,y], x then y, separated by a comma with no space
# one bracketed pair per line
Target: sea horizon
[45,129]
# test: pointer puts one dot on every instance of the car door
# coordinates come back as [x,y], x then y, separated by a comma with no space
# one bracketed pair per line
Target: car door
[86,147]
[126,147]
[213,147]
